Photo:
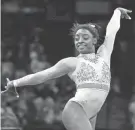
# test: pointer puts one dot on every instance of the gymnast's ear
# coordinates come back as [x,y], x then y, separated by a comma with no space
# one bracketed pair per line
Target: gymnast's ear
[94,40]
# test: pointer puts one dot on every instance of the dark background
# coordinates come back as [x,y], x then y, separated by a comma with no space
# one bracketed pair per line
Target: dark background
[35,34]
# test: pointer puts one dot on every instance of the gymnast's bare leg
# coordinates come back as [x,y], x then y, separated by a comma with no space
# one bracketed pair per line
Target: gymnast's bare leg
[74,117]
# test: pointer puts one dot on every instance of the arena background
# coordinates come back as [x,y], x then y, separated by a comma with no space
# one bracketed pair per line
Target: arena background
[35,34]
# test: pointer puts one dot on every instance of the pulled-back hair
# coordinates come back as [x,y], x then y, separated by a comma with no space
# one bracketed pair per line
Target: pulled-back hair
[89,26]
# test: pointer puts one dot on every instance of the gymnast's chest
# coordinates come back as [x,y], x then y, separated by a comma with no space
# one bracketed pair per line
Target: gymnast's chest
[92,68]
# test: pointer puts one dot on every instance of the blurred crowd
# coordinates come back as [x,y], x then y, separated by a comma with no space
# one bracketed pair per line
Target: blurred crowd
[40,105]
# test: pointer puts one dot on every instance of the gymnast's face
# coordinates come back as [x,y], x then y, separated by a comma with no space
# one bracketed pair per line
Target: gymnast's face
[84,41]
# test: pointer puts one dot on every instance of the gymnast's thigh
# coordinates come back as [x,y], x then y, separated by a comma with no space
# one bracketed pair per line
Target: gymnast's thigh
[75,118]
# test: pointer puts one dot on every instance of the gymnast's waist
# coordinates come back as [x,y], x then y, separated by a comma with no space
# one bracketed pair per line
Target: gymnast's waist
[95,86]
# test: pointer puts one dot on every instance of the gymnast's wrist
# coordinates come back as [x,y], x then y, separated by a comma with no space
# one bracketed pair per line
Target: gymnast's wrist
[15,83]
[118,10]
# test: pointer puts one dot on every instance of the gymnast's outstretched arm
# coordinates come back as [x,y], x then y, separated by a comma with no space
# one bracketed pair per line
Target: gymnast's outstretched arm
[59,69]
[111,31]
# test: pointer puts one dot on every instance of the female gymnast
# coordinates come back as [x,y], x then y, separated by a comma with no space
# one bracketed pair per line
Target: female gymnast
[90,71]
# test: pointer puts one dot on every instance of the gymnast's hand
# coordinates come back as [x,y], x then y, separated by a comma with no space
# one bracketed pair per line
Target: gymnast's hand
[9,84]
[124,13]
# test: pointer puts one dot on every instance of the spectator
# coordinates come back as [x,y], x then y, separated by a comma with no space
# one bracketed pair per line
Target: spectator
[49,110]
[8,117]
[8,70]
[132,110]
[38,61]
[21,112]
[116,84]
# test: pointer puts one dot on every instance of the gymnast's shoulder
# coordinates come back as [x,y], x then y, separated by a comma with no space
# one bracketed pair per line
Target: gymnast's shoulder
[70,62]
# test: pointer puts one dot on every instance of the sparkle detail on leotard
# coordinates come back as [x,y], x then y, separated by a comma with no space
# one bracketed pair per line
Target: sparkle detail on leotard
[92,70]
[91,59]
[86,72]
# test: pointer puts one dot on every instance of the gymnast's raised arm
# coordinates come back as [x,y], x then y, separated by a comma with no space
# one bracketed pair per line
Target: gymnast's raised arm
[111,31]
[61,68]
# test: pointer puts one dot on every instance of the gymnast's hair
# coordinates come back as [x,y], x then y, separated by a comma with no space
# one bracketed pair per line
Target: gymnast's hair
[94,29]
